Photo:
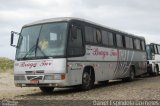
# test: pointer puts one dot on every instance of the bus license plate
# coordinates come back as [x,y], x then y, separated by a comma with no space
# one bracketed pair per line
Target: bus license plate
[34,81]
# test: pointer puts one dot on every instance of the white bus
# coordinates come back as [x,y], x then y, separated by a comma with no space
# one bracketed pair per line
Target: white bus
[153,57]
[64,52]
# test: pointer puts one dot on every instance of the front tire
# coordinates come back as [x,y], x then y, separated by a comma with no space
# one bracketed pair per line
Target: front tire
[87,80]
[156,71]
[47,89]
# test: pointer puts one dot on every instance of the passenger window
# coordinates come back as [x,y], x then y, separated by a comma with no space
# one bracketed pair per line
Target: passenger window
[143,45]
[155,49]
[110,37]
[98,36]
[107,38]
[93,35]
[159,49]
[152,48]
[129,42]
[89,32]
[137,44]
[119,40]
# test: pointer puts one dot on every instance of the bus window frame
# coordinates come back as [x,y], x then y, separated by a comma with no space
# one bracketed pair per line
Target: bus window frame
[114,32]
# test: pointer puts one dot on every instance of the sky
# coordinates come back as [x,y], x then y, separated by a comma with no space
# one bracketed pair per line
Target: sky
[140,17]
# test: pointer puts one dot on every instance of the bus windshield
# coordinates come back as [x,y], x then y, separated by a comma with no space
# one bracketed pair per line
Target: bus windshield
[149,52]
[42,41]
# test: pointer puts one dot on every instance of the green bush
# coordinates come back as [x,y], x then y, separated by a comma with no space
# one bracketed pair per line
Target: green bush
[6,64]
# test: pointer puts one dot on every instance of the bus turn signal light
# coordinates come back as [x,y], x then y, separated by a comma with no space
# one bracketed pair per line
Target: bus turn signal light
[63,76]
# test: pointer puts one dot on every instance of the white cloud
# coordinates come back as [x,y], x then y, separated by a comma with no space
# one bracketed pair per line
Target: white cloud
[139,17]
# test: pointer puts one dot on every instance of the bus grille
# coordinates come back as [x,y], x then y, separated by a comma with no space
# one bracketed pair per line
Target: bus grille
[35,72]
[34,77]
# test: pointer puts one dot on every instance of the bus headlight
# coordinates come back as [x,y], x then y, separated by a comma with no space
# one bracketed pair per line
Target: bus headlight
[55,77]
[19,77]
[49,77]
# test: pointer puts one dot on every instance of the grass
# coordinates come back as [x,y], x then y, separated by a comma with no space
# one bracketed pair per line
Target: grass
[6,65]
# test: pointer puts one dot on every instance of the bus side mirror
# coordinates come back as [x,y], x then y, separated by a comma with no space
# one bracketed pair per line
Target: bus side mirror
[14,39]
[74,32]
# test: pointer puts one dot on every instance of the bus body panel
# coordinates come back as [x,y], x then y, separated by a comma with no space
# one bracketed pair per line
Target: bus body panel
[108,63]
[46,65]
[152,64]
[157,58]
[153,51]
[28,70]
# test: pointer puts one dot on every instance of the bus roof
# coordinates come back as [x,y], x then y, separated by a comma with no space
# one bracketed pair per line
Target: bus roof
[60,19]
[153,44]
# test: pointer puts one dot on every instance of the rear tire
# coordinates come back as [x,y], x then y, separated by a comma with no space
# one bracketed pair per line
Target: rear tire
[154,71]
[87,80]
[157,70]
[131,76]
[47,89]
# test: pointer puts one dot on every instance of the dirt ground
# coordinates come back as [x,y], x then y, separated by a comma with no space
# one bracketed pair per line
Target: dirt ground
[147,88]
[8,89]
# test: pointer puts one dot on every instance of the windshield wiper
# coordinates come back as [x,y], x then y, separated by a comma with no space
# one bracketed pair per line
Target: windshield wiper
[31,50]
[42,52]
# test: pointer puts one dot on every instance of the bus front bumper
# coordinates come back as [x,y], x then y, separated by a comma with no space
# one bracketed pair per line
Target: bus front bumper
[41,80]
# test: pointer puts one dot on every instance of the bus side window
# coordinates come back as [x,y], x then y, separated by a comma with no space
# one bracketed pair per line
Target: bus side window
[124,41]
[158,49]
[89,32]
[119,40]
[155,49]
[75,45]
[98,36]
[107,38]
[143,45]
[137,44]
[110,37]
[129,42]
[152,48]
[93,35]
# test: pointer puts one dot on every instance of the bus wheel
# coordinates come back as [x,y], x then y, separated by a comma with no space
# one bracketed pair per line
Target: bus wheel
[47,89]
[87,80]
[131,76]
[156,71]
